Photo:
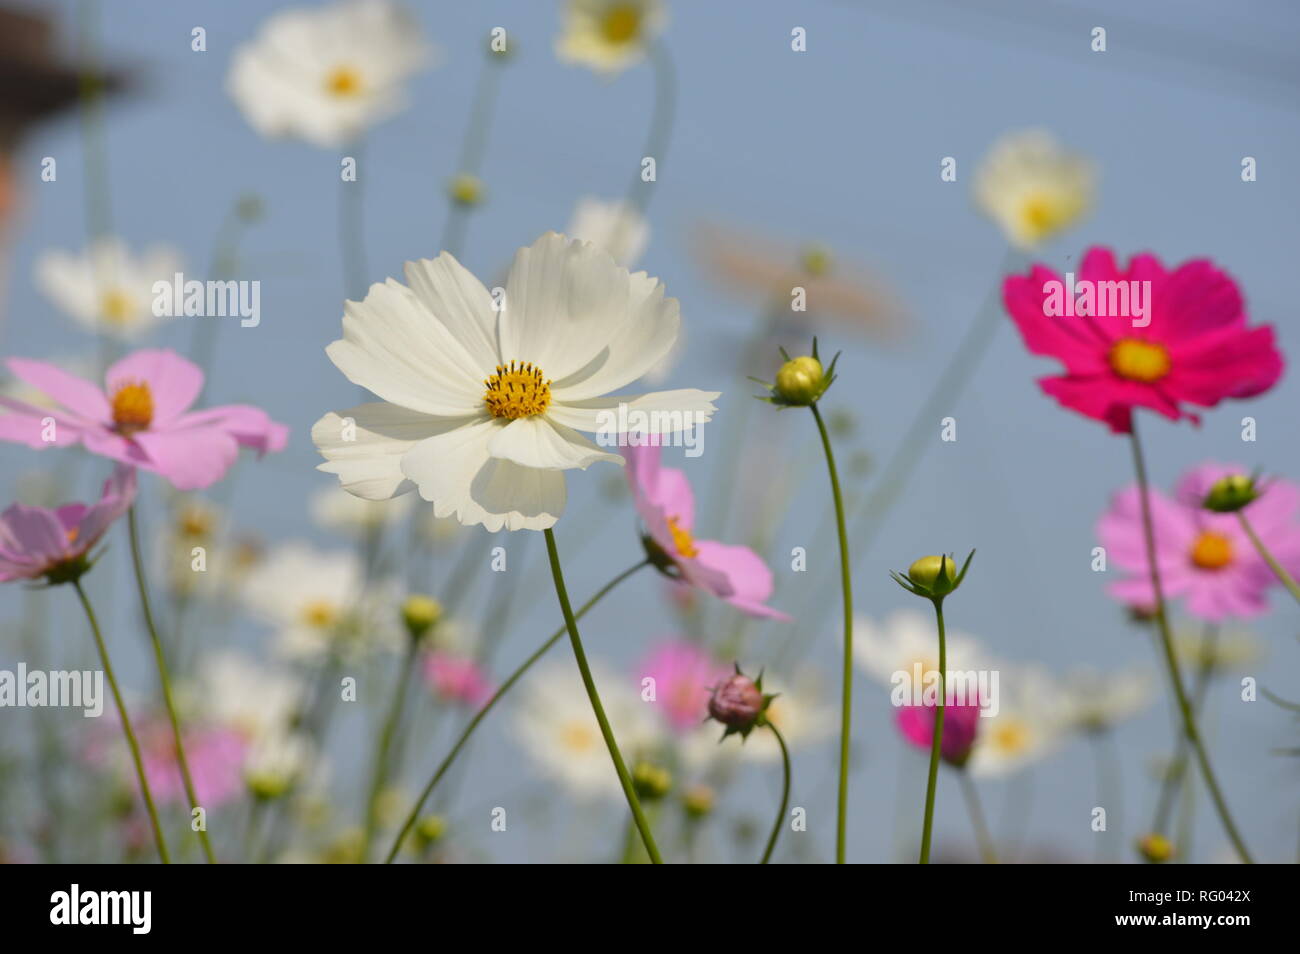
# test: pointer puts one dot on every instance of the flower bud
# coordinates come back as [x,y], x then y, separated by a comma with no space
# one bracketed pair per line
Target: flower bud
[926,571]
[651,781]
[816,260]
[1230,494]
[420,613]
[465,189]
[800,380]
[429,829]
[1155,848]
[268,786]
[698,801]
[736,702]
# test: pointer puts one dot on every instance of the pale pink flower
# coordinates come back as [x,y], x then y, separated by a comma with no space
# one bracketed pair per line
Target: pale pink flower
[456,678]
[683,675]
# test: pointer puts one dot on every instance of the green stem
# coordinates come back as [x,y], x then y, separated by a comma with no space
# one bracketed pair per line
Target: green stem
[138,562]
[661,125]
[785,794]
[1177,773]
[131,742]
[633,803]
[982,835]
[846,689]
[1171,661]
[1278,570]
[385,746]
[936,742]
[487,707]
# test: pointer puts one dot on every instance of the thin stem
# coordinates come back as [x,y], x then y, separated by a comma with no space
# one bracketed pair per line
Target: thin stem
[385,745]
[1278,569]
[131,742]
[1171,661]
[487,707]
[785,794]
[633,803]
[982,835]
[472,151]
[659,134]
[846,688]
[1177,772]
[138,562]
[936,743]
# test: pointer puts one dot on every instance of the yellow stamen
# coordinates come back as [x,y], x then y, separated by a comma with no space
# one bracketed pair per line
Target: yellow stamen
[621,23]
[1011,737]
[320,614]
[132,408]
[577,738]
[683,542]
[1212,551]
[1139,360]
[115,306]
[343,81]
[517,390]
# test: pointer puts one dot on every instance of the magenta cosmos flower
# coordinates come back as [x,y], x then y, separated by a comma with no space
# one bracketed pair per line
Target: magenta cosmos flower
[683,675]
[1205,558]
[1181,339]
[960,729]
[456,678]
[36,542]
[667,508]
[142,418]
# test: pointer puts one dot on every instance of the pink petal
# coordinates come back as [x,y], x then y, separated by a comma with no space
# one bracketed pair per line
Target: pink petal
[174,382]
[190,459]
[748,577]
[77,395]
[250,426]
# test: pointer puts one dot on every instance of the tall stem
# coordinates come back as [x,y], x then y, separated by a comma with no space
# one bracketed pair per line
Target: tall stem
[1278,569]
[384,746]
[1171,661]
[785,794]
[633,803]
[1177,772]
[982,836]
[131,742]
[487,707]
[936,742]
[138,562]
[846,678]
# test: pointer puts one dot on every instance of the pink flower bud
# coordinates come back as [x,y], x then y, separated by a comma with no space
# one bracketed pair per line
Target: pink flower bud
[736,702]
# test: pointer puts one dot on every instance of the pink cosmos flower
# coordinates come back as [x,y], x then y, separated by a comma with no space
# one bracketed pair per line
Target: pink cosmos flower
[215,755]
[960,728]
[667,507]
[684,675]
[141,418]
[36,542]
[456,678]
[1205,558]
[1196,348]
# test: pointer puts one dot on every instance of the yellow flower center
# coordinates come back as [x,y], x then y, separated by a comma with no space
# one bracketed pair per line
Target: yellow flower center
[115,305]
[1139,360]
[621,23]
[577,737]
[320,614]
[195,522]
[517,390]
[683,542]
[132,408]
[1212,551]
[343,81]
[1011,737]
[72,533]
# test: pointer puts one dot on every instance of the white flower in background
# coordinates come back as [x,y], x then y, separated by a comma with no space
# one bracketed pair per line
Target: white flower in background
[799,712]
[609,35]
[326,74]
[482,409]
[1032,187]
[319,603]
[274,763]
[1028,725]
[614,225]
[1225,649]
[336,509]
[556,728]
[106,288]
[1092,701]
[249,694]
[908,637]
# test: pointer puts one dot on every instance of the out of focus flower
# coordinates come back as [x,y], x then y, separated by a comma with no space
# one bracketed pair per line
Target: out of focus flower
[1217,651]
[961,725]
[253,697]
[17,389]
[142,418]
[456,678]
[906,640]
[555,727]
[36,542]
[336,509]
[682,674]
[327,74]
[1027,726]
[609,35]
[1032,187]
[1204,557]
[420,613]
[1092,701]
[666,505]
[106,289]
[319,603]
[215,756]
[1187,342]
[614,225]
[274,764]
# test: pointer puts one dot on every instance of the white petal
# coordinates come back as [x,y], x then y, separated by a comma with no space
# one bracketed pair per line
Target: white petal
[538,442]
[367,457]
[661,412]
[461,303]
[393,346]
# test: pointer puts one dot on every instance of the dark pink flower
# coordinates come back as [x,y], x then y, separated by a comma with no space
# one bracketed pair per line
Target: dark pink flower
[960,728]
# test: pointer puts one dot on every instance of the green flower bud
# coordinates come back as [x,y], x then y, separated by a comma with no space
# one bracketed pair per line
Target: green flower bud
[267,786]
[698,801]
[651,781]
[420,613]
[1155,848]
[465,189]
[816,260]
[1230,494]
[429,829]
[926,571]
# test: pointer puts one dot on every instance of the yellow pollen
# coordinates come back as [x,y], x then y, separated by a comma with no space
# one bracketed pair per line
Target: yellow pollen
[115,306]
[682,539]
[132,408]
[320,614]
[517,390]
[72,534]
[577,737]
[1139,360]
[195,522]
[621,23]
[343,81]
[1011,737]
[1212,551]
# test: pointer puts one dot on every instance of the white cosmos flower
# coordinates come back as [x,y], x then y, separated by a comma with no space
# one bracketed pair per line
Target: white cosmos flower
[557,729]
[319,603]
[1090,700]
[326,74]
[1032,187]
[908,637]
[481,408]
[106,288]
[609,35]
[1028,726]
[336,509]
[614,225]
[257,699]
